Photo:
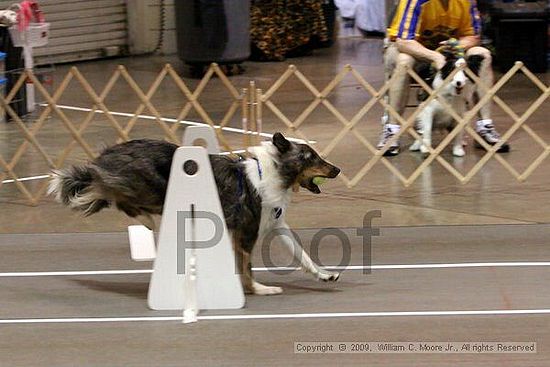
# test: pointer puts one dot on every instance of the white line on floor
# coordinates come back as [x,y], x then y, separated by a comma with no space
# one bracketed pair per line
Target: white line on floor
[185,122]
[376,314]
[439,266]
[74,273]
[148,117]
[285,268]
[41,177]
[30,178]
[279,316]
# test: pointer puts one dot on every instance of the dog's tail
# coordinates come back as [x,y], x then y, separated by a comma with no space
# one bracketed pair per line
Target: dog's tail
[77,188]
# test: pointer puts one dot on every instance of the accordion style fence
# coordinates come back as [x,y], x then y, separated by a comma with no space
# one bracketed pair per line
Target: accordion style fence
[251,103]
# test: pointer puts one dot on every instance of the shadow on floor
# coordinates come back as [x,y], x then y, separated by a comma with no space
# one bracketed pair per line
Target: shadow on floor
[130,289]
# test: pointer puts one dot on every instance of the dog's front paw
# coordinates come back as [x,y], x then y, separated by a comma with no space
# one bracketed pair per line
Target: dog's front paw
[415,147]
[458,151]
[328,276]
[424,149]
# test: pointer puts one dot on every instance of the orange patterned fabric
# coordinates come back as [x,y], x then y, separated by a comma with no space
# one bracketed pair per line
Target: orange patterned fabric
[280,26]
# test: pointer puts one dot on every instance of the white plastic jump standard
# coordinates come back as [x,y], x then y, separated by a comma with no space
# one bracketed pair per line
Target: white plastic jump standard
[206,133]
[195,197]
[142,239]
[142,243]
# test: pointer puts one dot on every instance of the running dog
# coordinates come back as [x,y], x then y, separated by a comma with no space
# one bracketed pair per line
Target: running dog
[254,190]
[458,93]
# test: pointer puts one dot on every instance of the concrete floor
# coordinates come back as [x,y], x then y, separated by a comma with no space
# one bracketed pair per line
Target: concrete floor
[493,219]
[31,303]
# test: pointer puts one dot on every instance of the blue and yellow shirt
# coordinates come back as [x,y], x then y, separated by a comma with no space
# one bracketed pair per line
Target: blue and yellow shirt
[428,22]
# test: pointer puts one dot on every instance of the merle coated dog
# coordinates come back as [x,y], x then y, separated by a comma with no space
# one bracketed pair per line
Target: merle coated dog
[458,93]
[254,190]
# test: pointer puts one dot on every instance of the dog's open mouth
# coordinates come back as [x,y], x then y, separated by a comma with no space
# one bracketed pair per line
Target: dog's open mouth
[458,90]
[313,187]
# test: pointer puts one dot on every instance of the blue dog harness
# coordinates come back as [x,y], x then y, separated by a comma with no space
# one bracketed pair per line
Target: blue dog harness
[240,173]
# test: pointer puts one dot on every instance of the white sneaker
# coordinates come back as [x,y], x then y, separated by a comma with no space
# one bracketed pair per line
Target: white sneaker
[388,131]
[487,131]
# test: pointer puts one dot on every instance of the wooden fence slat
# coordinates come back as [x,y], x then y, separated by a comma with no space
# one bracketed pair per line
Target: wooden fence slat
[192,98]
[150,93]
[252,101]
[68,124]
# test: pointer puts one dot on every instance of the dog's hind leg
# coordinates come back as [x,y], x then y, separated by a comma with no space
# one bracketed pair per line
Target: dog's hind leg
[301,255]
[147,220]
[138,214]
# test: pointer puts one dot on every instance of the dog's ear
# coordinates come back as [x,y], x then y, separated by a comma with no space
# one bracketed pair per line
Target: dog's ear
[447,69]
[474,63]
[281,143]
[425,70]
[448,53]
[450,60]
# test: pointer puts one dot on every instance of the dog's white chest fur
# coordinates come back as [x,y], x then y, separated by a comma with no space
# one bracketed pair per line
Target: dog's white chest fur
[265,178]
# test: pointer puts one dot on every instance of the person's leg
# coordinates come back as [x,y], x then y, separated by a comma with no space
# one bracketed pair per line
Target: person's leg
[484,126]
[397,63]
[398,94]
